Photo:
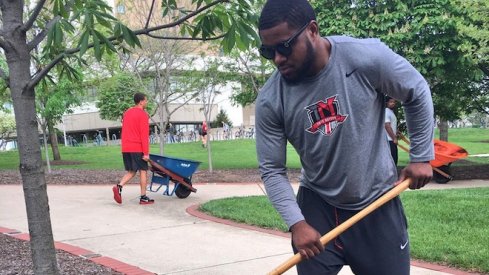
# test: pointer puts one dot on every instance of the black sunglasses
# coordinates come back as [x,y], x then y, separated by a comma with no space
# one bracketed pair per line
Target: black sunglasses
[284,48]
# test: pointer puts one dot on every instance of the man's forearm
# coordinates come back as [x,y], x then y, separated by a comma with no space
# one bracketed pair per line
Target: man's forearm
[390,132]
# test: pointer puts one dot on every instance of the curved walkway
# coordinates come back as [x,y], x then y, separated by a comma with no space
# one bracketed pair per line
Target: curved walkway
[163,238]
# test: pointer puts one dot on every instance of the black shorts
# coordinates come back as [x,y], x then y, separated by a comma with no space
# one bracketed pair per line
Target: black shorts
[376,245]
[393,147]
[134,161]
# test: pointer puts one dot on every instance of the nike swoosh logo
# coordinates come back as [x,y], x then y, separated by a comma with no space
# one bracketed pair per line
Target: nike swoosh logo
[404,245]
[349,74]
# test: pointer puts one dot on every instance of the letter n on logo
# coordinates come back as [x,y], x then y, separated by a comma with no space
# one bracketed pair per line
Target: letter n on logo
[325,116]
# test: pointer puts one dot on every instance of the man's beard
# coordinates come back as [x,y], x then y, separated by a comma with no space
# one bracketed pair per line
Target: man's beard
[306,67]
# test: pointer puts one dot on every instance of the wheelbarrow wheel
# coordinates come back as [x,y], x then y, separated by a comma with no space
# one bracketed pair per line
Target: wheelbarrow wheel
[182,192]
[440,178]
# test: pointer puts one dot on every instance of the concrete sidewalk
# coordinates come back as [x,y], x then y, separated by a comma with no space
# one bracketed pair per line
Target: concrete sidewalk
[163,238]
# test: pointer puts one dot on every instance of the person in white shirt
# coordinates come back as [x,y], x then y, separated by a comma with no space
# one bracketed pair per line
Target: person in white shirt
[391,126]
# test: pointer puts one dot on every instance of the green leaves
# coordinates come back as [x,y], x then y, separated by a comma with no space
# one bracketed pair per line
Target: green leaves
[7,126]
[230,40]
[168,6]
[427,33]
[94,25]
[235,20]
[55,36]
[115,95]
[78,28]
[53,99]
[129,37]
[87,25]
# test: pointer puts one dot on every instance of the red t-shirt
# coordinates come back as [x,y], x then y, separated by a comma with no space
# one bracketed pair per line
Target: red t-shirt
[135,131]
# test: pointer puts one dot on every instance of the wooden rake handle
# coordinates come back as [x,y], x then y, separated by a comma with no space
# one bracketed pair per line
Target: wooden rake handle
[434,168]
[394,192]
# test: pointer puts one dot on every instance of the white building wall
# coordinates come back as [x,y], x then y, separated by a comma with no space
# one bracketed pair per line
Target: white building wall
[87,118]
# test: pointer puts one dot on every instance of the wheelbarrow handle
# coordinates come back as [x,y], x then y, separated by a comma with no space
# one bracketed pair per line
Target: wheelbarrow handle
[172,175]
[394,192]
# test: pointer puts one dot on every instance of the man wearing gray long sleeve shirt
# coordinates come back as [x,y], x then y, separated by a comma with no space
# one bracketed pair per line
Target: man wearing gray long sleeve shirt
[327,100]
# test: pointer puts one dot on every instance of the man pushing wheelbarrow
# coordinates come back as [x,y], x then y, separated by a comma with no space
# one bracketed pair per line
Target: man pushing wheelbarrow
[135,147]
[135,153]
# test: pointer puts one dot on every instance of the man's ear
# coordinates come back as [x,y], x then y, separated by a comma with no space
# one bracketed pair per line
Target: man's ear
[313,29]
[314,26]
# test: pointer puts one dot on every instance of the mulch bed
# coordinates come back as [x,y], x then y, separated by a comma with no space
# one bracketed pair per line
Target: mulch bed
[77,176]
[16,259]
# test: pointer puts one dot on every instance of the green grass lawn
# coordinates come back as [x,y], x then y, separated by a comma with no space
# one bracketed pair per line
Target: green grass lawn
[445,226]
[226,155]
[230,154]
[450,226]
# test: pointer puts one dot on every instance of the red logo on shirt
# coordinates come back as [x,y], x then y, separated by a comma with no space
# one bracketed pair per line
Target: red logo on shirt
[325,116]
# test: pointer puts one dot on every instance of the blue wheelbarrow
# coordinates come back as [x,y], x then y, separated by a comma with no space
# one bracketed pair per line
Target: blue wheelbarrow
[166,170]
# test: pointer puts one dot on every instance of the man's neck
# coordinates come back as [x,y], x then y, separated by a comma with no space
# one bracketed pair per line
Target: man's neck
[323,55]
[327,51]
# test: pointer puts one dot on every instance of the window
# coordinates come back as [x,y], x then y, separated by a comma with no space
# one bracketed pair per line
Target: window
[121,8]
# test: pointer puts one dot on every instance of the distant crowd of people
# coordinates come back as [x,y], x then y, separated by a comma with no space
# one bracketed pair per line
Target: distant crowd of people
[172,135]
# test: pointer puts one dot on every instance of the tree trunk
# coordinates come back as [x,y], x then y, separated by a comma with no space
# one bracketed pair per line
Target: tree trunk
[207,115]
[54,141]
[443,127]
[209,149]
[31,169]
[46,150]
[162,136]
[163,114]
[107,134]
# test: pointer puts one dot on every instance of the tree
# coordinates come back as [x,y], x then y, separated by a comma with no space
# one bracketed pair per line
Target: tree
[475,32]
[4,91]
[91,26]
[160,61]
[425,32]
[115,95]
[7,128]
[53,101]
[207,83]
[221,118]
[252,71]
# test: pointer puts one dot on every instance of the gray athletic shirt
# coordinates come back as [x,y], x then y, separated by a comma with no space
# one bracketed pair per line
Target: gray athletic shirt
[335,122]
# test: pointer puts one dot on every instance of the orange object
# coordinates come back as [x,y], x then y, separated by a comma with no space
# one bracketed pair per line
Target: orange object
[446,153]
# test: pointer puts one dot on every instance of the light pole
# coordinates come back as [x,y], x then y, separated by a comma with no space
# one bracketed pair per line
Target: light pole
[64,129]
